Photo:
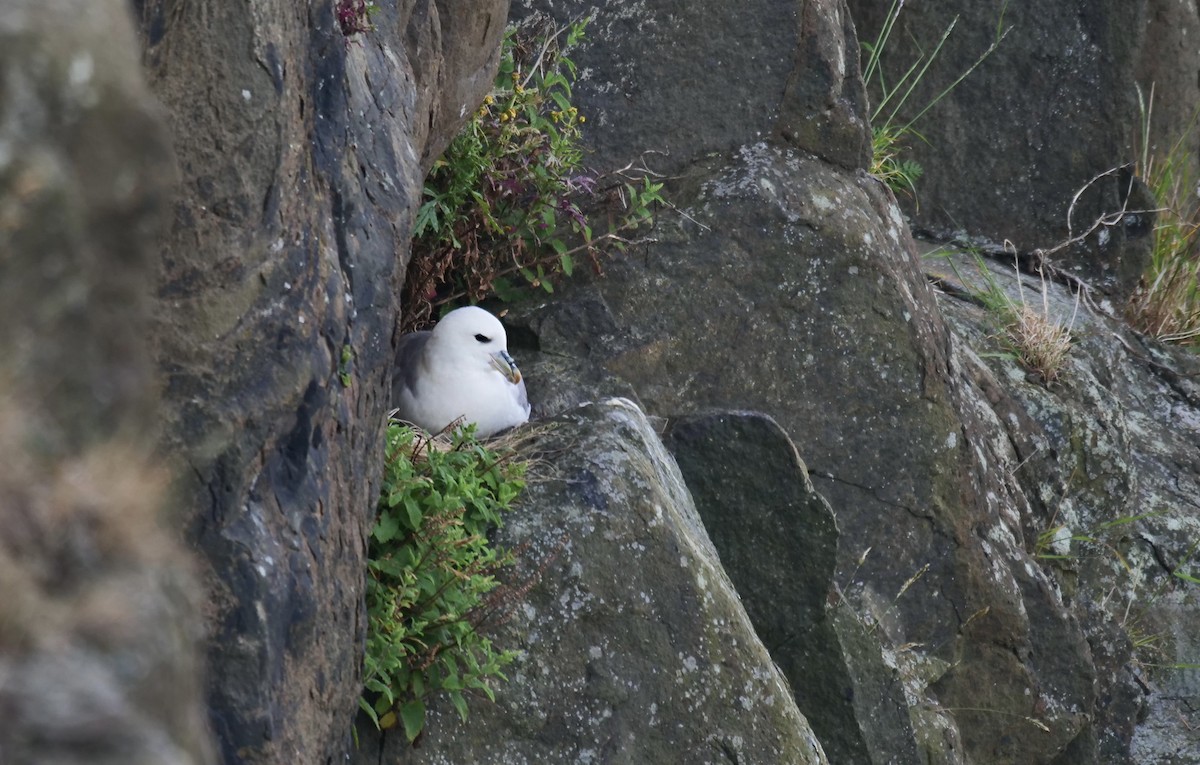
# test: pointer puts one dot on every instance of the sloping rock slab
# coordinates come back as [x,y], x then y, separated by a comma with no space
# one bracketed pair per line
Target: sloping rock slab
[636,647]
[1107,455]
[778,542]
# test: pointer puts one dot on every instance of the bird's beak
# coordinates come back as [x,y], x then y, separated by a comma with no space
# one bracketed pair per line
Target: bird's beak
[506,366]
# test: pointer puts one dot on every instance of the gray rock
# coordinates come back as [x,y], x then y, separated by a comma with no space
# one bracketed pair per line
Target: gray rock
[100,630]
[778,542]
[688,80]
[302,155]
[803,299]
[1052,108]
[1108,454]
[636,649]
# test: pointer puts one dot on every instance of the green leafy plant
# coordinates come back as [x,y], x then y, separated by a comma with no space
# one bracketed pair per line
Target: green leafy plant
[430,572]
[1166,304]
[889,129]
[508,198]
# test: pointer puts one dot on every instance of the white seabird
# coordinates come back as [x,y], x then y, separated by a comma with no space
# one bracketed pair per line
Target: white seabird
[460,369]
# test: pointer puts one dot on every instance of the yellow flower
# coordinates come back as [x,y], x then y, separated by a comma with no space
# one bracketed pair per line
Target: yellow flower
[582,118]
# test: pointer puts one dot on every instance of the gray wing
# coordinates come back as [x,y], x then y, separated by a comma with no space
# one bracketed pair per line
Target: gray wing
[407,363]
[522,397]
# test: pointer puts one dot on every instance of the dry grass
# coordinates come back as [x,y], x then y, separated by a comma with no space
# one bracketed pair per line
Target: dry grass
[1041,344]
[1166,305]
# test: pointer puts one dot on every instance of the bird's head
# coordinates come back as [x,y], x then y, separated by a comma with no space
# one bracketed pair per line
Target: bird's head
[473,335]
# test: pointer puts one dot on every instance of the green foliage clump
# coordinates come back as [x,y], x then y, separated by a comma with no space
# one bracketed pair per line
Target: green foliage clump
[507,199]
[889,130]
[430,571]
[1166,304]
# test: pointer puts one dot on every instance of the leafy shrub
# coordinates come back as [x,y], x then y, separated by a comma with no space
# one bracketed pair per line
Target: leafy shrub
[430,571]
[507,198]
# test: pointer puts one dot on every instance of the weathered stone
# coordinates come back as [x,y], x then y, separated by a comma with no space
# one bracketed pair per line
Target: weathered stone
[99,610]
[778,541]
[636,649]
[1108,455]
[1051,109]
[872,399]
[1166,70]
[303,155]
[685,80]
[804,300]
[100,622]
[86,170]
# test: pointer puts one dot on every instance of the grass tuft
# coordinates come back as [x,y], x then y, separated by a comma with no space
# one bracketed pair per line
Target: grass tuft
[1029,333]
[1166,305]
[889,130]
[1041,344]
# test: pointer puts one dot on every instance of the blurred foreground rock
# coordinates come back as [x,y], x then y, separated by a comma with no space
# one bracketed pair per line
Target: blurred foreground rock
[99,610]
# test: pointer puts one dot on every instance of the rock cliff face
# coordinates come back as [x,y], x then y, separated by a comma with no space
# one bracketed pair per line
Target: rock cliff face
[1108,464]
[302,154]
[806,300]
[1052,108]
[890,552]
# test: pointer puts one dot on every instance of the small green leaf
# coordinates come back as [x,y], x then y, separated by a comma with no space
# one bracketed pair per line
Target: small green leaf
[413,716]
[460,704]
[1186,577]
[504,289]
[386,527]
[568,265]
[413,510]
[369,710]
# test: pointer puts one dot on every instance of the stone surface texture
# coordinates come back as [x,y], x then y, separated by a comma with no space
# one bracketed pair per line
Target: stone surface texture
[100,656]
[778,540]
[806,300]
[1108,460]
[636,647]
[302,154]
[1052,108]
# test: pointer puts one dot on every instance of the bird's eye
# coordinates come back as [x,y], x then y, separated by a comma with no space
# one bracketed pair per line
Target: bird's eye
[483,338]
